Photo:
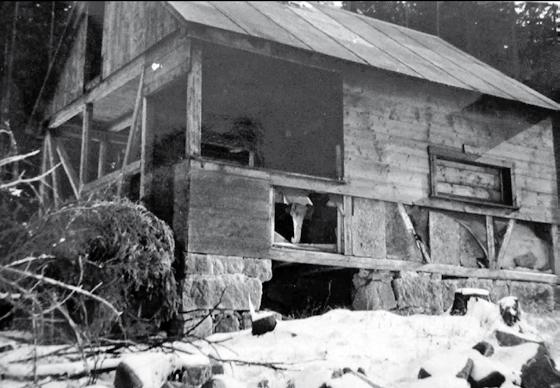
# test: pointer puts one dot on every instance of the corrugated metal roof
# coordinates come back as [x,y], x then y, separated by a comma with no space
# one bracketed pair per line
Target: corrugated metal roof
[352,37]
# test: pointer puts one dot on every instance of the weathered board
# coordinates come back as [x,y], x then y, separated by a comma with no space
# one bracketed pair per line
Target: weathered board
[453,239]
[228,214]
[389,123]
[368,227]
[71,79]
[130,28]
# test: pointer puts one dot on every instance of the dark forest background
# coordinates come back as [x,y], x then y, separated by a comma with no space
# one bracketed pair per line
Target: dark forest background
[519,38]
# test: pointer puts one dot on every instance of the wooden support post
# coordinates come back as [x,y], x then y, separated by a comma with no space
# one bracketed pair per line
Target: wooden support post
[194,102]
[490,243]
[555,264]
[102,159]
[133,129]
[505,243]
[54,174]
[347,224]
[65,160]
[146,150]
[87,119]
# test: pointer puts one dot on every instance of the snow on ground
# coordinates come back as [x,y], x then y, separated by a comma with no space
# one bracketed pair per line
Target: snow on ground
[389,347]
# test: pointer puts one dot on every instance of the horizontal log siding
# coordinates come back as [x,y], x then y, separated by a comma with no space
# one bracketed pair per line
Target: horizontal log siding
[389,122]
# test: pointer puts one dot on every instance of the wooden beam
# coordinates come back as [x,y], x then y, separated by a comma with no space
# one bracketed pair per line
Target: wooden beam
[333,186]
[120,124]
[505,243]
[134,122]
[133,128]
[102,159]
[146,149]
[555,262]
[54,175]
[194,102]
[94,135]
[70,173]
[490,243]
[110,84]
[337,260]
[87,117]
[348,207]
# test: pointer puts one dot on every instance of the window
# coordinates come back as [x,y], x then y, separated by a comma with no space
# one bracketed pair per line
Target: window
[470,177]
[269,113]
[307,220]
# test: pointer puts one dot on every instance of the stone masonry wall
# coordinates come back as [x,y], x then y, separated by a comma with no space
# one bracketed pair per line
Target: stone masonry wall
[216,290]
[413,292]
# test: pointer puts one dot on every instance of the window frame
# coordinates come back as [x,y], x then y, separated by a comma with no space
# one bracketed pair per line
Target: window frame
[506,172]
[339,243]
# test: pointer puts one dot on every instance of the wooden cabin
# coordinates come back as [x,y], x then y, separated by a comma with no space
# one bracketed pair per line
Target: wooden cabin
[272,133]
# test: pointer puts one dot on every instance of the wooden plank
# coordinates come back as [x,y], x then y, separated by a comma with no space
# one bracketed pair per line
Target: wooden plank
[94,135]
[54,174]
[555,249]
[304,31]
[371,51]
[348,206]
[112,177]
[146,148]
[368,228]
[257,24]
[228,215]
[134,122]
[366,189]
[87,117]
[490,243]
[194,102]
[102,159]
[337,260]
[133,128]
[504,244]
[410,229]
[112,82]
[66,164]
[203,12]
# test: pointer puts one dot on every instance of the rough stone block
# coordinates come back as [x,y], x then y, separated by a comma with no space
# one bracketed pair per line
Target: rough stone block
[258,268]
[226,322]
[203,264]
[534,297]
[418,293]
[193,326]
[204,292]
[375,295]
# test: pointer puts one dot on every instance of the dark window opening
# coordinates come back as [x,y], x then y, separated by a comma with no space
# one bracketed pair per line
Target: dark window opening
[303,290]
[470,177]
[265,112]
[306,220]
[94,40]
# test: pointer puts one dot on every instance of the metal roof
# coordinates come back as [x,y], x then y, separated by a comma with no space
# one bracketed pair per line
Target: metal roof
[357,38]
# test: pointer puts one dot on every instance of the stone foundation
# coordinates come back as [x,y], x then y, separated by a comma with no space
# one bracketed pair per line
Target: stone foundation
[420,292]
[216,292]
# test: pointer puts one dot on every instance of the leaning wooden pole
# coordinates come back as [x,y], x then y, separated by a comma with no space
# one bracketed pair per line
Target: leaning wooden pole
[132,131]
